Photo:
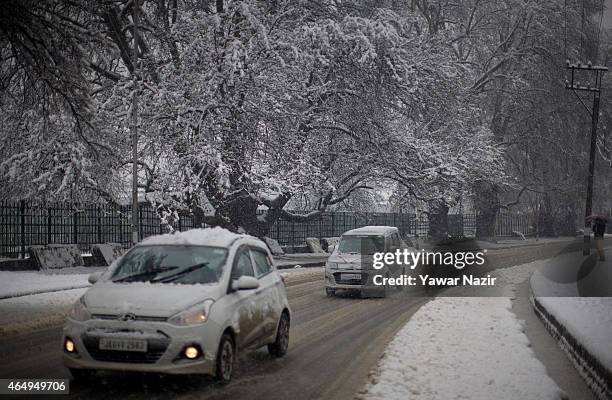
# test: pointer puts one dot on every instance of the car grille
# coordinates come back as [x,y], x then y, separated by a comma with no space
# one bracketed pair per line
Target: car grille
[339,281]
[156,347]
[136,317]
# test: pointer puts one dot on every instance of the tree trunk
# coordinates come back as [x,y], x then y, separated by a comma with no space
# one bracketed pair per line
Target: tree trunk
[546,222]
[565,223]
[239,213]
[486,203]
[438,221]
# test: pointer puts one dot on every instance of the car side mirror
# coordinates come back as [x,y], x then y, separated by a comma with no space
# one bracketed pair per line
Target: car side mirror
[94,277]
[331,248]
[245,283]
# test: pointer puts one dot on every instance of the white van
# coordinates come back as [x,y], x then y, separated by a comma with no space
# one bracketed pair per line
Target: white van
[345,267]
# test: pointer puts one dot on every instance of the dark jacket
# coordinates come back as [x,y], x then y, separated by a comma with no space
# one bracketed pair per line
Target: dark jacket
[599,228]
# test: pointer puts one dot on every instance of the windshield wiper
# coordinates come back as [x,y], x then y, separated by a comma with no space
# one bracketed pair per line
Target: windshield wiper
[144,273]
[178,274]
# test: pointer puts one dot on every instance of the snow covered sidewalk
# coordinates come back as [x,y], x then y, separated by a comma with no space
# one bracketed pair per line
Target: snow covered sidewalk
[23,283]
[29,313]
[581,325]
[465,348]
[31,300]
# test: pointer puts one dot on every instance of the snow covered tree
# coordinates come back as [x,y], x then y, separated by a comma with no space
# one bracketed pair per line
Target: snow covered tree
[49,146]
[249,109]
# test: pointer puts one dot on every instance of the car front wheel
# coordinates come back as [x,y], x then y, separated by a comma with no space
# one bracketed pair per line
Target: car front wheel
[280,345]
[225,359]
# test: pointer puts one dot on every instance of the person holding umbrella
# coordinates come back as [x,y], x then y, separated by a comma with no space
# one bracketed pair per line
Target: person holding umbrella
[599,228]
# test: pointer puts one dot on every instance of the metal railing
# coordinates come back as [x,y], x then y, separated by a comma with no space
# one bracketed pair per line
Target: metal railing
[24,224]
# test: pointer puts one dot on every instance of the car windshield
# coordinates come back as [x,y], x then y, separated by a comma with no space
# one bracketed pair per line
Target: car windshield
[171,264]
[361,244]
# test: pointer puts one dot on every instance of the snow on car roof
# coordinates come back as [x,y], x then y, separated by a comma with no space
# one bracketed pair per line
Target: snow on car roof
[370,230]
[216,237]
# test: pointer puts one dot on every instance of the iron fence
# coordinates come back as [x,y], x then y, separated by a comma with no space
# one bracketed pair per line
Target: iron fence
[507,223]
[330,224]
[23,224]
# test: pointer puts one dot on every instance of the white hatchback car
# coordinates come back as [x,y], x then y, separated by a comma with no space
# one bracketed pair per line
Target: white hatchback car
[180,304]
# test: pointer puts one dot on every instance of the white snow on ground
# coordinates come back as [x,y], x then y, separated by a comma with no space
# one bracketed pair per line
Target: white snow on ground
[31,300]
[20,283]
[298,275]
[464,348]
[588,319]
[28,313]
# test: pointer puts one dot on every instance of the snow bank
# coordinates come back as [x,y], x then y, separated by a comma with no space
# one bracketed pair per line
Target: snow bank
[464,348]
[21,283]
[588,319]
[581,324]
[302,275]
[31,300]
[29,313]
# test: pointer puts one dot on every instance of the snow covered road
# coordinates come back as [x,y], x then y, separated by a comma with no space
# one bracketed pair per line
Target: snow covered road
[335,343]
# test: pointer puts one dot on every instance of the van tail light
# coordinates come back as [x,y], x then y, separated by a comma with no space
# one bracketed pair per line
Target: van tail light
[283,280]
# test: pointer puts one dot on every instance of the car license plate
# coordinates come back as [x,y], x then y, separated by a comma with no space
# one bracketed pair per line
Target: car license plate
[350,276]
[123,344]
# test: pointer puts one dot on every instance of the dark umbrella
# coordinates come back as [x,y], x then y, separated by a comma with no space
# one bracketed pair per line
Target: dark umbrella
[598,219]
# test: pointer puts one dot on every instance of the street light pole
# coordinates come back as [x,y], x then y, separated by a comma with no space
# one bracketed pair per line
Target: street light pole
[598,71]
[135,213]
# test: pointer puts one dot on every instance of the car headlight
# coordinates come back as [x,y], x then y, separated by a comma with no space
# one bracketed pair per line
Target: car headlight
[331,265]
[79,311]
[194,315]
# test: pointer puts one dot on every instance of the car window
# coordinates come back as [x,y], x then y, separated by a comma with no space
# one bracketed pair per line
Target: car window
[261,262]
[171,264]
[243,266]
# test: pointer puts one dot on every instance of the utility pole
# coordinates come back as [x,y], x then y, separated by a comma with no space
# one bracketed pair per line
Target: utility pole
[575,86]
[135,213]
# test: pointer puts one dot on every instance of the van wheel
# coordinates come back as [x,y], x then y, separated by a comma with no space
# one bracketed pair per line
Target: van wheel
[401,287]
[225,359]
[281,343]
[329,292]
[382,293]
[81,374]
